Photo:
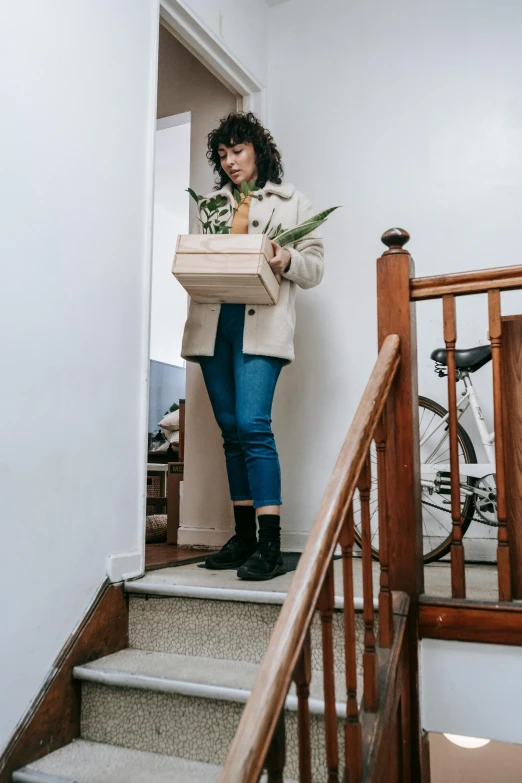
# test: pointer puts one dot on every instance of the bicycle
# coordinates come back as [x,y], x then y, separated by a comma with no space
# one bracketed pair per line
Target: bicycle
[477,480]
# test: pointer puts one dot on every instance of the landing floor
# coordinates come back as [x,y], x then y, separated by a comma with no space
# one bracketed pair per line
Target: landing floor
[481,580]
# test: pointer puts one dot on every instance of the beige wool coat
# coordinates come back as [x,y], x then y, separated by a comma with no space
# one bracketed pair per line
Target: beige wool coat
[269,329]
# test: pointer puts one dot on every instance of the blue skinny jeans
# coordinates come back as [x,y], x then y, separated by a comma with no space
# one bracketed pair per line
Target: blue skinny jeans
[241,389]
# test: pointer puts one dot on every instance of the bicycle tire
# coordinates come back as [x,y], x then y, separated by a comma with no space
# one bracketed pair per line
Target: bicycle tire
[468,452]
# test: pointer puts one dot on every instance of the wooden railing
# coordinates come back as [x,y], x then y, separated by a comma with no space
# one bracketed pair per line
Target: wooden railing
[259,740]
[447,288]
[399,290]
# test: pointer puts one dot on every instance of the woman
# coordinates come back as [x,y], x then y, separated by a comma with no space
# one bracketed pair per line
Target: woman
[242,349]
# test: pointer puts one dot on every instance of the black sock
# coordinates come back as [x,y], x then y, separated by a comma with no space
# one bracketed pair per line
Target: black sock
[245,519]
[270,528]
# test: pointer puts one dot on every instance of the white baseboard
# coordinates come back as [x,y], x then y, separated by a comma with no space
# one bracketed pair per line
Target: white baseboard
[205,537]
[124,566]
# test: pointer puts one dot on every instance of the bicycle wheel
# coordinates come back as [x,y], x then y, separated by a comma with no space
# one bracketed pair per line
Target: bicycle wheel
[436,506]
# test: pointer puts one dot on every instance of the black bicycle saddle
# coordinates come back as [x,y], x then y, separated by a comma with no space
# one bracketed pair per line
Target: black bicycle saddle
[470,359]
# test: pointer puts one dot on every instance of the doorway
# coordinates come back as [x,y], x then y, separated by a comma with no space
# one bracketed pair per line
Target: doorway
[190,102]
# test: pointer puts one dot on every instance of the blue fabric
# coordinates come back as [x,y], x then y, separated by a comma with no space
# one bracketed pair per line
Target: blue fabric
[241,389]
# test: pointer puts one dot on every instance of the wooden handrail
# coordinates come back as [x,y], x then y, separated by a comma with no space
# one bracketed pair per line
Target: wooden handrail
[479,281]
[248,750]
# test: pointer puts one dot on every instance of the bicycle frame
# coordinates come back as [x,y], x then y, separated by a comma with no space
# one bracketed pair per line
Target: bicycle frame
[469,399]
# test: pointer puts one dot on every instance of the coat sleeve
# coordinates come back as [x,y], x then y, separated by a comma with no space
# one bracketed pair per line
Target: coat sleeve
[307,265]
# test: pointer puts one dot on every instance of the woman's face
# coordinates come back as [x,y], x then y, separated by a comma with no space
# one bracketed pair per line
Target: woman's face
[239,162]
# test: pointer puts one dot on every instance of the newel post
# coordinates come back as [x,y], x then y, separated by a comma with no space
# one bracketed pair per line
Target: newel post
[396,315]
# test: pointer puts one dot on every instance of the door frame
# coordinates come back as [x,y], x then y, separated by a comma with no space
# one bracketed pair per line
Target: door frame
[209,49]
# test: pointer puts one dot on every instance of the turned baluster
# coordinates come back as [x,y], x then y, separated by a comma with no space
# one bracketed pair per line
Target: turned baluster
[370,681]
[458,574]
[276,755]
[385,596]
[302,677]
[326,608]
[352,726]
[495,336]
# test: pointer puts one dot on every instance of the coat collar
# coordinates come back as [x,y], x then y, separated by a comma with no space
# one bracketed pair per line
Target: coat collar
[285,190]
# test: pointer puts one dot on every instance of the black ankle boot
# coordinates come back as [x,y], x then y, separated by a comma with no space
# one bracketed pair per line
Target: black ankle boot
[266,562]
[232,555]
[236,551]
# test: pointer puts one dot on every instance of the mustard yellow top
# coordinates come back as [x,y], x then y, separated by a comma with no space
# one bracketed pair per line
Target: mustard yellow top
[240,219]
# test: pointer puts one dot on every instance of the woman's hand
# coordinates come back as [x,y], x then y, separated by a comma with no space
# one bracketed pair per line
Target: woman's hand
[281,258]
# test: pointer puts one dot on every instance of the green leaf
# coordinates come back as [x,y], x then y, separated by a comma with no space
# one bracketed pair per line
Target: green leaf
[194,195]
[223,212]
[295,234]
[320,216]
[265,230]
[244,188]
[292,235]
[237,197]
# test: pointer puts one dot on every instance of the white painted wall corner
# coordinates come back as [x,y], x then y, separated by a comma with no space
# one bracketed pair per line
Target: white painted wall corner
[124,566]
[256,102]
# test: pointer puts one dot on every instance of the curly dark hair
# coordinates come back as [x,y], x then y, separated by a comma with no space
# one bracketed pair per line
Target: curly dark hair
[239,128]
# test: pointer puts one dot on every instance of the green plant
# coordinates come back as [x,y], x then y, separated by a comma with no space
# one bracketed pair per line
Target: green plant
[216,214]
[292,235]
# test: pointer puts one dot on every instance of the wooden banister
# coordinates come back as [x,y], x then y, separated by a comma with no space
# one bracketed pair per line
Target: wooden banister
[479,281]
[251,743]
[491,282]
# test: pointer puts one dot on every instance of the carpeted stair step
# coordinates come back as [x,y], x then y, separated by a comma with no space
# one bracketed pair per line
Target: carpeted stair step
[94,762]
[184,706]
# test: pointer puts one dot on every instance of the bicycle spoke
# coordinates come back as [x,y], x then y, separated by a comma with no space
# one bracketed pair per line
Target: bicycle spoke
[427,426]
[430,512]
[436,521]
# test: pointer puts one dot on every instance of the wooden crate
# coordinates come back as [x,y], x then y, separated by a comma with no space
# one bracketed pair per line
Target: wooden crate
[220,268]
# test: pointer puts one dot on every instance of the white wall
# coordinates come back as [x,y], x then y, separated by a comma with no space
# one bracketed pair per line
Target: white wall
[171,218]
[407,114]
[471,689]
[78,124]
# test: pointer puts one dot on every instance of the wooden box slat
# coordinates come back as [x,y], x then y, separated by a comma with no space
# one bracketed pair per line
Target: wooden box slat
[226,268]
